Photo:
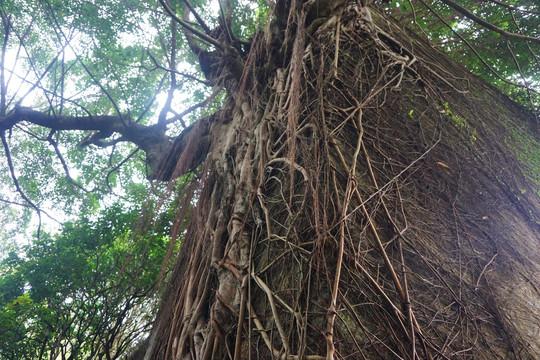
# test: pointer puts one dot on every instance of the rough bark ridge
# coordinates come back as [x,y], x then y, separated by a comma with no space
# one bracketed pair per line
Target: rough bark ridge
[360,200]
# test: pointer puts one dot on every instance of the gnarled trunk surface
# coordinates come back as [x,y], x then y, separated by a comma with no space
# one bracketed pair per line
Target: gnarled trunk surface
[362,198]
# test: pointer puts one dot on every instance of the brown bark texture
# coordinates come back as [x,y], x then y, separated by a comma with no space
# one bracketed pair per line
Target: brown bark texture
[359,196]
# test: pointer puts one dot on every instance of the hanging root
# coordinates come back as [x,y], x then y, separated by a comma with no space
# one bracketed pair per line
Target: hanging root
[325,227]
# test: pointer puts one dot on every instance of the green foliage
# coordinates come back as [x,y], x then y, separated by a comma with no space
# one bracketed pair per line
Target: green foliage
[77,57]
[87,290]
[84,291]
[250,16]
[509,59]
[527,150]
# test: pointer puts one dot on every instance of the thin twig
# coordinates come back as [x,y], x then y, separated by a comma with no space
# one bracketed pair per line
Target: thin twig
[16,181]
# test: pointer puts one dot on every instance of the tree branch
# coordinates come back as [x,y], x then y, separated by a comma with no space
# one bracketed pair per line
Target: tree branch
[227,19]
[488,25]
[54,144]
[192,108]
[198,17]
[13,203]
[188,76]
[118,167]
[163,114]
[474,50]
[510,7]
[526,83]
[96,81]
[190,28]
[151,139]
[60,122]
[528,45]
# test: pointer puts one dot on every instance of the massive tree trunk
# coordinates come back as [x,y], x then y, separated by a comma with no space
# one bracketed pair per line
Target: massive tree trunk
[363,197]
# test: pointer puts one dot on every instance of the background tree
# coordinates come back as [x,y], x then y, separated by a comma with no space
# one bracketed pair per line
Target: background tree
[359,194]
[87,292]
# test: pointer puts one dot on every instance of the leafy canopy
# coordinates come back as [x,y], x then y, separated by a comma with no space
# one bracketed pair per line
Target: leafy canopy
[86,291]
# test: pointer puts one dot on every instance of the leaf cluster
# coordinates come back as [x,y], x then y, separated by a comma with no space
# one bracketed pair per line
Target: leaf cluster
[510,62]
[87,292]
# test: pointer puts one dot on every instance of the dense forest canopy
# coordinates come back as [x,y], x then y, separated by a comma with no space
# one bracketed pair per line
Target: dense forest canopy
[108,113]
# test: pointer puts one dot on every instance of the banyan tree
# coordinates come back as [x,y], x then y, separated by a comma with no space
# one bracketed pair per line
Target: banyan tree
[356,194]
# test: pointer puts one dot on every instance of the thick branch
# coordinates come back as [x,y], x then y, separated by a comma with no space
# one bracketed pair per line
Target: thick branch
[60,122]
[515,8]
[151,139]
[189,148]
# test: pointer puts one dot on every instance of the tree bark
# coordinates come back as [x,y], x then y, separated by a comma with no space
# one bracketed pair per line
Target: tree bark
[360,197]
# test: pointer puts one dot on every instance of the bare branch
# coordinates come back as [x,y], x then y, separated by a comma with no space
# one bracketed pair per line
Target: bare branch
[149,105]
[50,92]
[525,82]
[188,76]
[528,45]
[16,59]
[172,66]
[14,203]
[227,18]
[118,167]
[54,144]
[111,99]
[45,72]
